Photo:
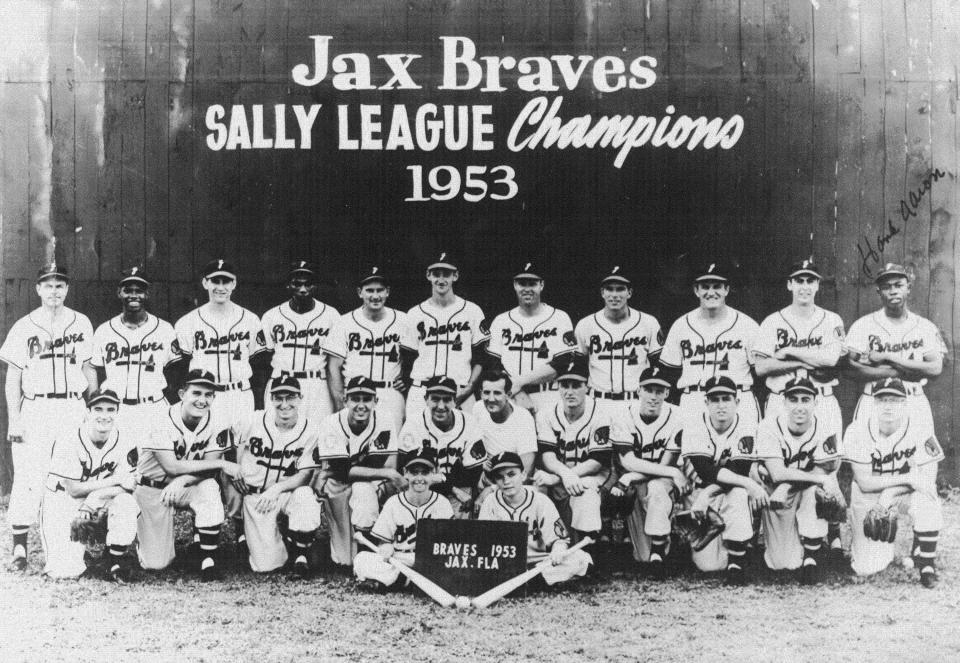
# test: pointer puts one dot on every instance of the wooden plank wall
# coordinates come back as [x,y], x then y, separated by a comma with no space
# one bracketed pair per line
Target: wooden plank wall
[847,106]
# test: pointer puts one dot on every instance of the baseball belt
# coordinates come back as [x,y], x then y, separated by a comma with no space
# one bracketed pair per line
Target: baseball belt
[138,401]
[420,383]
[616,395]
[231,386]
[824,389]
[381,385]
[302,375]
[912,389]
[696,387]
[150,483]
[538,388]
[62,395]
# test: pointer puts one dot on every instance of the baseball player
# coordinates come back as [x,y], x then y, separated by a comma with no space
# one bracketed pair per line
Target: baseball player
[92,468]
[357,455]
[130,353]
[456,438]
[227,341]
[574,439]
[452,334]
[178,468]
[894,455]
[648,459]
[526,338]
[798,451]
[396,526]
[895,342]
[546,534]
[45,352]
[505,426]
[375,342]
[270,452]
[295,332]
[718,445]
[711,340]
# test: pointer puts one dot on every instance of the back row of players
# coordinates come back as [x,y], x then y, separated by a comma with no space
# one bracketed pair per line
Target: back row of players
[598,391]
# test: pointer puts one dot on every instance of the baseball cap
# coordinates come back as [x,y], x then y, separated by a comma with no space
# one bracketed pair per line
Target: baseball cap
[504,460]
[360,385]
[720,384]
[133,275]
[298,267]
[891,271]
[654,375]
[574,368]
[100,395]
[800,386]
[889,387]
[52,270]
[443,262]
[440,384]
[713,271]
[373,274]
[219,267]
[201,377]
[528,271]
[804,267]
[615,277]
[423,456]
[286,383]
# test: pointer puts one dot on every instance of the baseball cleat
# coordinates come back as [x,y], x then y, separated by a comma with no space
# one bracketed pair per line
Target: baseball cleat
[735,577]
[119,574]
[300,570]
[810,574]
[18,564]
[241,550]
[929,579]
[211,573]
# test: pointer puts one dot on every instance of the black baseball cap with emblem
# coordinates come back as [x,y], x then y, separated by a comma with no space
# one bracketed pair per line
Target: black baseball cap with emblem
[134,275]
[200,377]
[502,461]
[528,271]
[424,456]
[301,268]
[654,375]
[889,387]
[285,384]
[712,271]
[573,368]
[52,270]
[440,384]
[219,267]
[371,275]
[720,384]
[615,276]
[891,271]
[443,262]
[103,396]
[360,385]
[804,268]
[800,386]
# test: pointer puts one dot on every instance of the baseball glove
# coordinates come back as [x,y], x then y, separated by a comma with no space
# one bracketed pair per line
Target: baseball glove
[880,524]
[831,506]
[89,527]
[699,533]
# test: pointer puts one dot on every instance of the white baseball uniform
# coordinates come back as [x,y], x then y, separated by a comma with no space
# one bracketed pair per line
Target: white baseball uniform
[703,350]
[297,340]
[76,457]
[524,344]
[618,352]
[372,349]
[50,356]
[448,338]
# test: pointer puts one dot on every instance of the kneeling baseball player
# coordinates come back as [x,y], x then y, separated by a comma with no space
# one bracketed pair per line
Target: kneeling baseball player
[546,533]
[91,480]
[396,526]
[719,446]
[894,456]
[273,453]
[799,456]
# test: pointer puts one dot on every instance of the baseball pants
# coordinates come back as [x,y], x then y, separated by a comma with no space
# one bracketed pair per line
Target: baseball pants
[65,557]
[43,419]
[828,411]
[617,409]
[543,401]
[233,403]
[694,404]
[784,529]
[353,506]
[650,515]
[391,401]
[917,408]
[155,536]
[267,549]
[734,507]
[416,402]
[585,508]
[371,566]
[317,404]
[573,565]
[868,556]
[139,420]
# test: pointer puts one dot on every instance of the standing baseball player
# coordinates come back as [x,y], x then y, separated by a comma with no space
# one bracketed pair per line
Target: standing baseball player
[712,340]
[527,338]
[396,526]
[575,442]
[894,455]
[45,352]
[273,480]
[295,333]
[648,459]
[894,342]
[546,534]
[375,342]
[356,454]
[130,353]
[719,447]
[452,334]
[226,340]
[91,477]
[178,468]
[798,451]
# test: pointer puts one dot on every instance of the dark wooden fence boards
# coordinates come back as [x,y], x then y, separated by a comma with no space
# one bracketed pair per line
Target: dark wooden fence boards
[847,107]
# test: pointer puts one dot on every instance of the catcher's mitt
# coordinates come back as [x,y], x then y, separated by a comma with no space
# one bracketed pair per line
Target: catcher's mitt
[831,506]
[699,533]
[89,527]
[880,524]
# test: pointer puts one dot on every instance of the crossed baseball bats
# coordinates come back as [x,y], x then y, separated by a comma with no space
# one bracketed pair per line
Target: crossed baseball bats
[446,599]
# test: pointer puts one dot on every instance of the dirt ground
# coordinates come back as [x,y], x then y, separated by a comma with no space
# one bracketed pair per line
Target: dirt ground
[621,615]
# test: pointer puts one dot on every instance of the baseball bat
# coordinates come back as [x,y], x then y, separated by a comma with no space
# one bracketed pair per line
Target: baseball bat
[429,587]
[492,595]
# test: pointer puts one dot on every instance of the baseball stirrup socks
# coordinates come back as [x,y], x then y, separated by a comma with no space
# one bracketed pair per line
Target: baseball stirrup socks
[736,554]
[833,535]
[301,540]
[811,547]
[239,531]
[925,551]
[658,546]
[20,537]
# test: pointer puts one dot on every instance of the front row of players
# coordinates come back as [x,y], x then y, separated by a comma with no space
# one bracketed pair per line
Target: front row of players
[276,462]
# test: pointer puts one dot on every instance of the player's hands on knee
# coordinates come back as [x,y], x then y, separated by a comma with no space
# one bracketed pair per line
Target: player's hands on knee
[386,551]
[758,496]
[231,469]
[268,500]
[240,485]
[573,484]
[173,494]
[557,552]
[680,481]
